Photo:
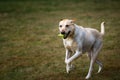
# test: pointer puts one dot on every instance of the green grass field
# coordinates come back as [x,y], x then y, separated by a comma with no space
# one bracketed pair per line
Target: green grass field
[31,50]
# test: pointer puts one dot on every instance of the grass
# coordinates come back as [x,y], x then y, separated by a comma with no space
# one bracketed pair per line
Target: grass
[31,50]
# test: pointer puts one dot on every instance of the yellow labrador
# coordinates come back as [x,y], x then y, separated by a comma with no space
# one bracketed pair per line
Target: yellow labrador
[80,40]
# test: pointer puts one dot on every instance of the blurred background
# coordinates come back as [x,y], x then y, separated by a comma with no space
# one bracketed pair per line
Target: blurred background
[31,50]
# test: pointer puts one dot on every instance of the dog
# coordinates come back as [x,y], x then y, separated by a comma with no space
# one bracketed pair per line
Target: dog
[79,40]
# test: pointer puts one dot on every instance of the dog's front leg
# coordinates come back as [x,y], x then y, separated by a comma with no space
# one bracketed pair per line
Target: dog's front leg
[68,53]
[68,65]
[76,55]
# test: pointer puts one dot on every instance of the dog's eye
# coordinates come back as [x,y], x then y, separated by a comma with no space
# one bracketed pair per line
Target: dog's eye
[60,25]
[67,25]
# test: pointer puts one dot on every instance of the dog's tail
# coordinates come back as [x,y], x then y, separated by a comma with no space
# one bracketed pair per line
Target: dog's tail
[102,28]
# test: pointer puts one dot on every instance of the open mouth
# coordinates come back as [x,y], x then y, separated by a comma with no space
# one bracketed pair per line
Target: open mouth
[66,35]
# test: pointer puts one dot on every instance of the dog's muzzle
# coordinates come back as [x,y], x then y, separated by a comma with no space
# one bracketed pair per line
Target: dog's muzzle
[65,34]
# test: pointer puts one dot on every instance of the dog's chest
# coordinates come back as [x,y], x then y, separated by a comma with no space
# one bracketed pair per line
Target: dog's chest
[70,44]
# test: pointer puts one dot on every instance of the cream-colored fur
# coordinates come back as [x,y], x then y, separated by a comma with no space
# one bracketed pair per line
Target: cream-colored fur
[79,40]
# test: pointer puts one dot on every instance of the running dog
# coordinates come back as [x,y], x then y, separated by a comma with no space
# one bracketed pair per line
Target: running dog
[79,40]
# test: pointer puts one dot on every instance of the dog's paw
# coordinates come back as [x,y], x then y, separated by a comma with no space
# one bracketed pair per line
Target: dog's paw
[87,77]
[69,68]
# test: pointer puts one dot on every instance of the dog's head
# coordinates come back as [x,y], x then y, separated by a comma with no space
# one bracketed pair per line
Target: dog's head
[66,27]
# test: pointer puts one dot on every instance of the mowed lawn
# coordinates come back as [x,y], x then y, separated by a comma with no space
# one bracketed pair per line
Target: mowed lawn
[31,50]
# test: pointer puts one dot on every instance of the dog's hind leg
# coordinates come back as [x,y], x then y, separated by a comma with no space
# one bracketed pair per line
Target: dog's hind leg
[91,68]
[100,65]
[97,61]
[94,54]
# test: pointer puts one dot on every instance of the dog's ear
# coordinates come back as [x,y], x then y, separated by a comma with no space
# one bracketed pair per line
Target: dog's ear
[73,20]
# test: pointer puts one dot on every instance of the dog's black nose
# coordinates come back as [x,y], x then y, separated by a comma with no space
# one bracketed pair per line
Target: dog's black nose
[63,32]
